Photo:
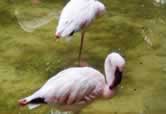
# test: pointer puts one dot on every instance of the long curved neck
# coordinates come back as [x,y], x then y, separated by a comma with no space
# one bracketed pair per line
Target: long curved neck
[109,72]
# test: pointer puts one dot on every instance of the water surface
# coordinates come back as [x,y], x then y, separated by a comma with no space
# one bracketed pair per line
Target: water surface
[29,54]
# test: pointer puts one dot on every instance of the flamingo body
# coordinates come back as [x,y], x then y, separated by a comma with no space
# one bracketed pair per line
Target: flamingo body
[76,15]
[74,88]
[71,87]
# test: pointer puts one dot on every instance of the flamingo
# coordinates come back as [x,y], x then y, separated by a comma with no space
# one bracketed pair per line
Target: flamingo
[76,16]
[76,87]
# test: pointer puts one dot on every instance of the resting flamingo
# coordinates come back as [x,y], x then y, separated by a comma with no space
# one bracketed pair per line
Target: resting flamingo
[76,16]
[74,88]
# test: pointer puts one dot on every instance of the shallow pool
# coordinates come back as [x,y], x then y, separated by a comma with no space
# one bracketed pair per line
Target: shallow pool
[29,53]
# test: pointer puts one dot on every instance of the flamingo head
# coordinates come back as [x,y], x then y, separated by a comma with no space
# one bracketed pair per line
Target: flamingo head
[118,63]
[100,8]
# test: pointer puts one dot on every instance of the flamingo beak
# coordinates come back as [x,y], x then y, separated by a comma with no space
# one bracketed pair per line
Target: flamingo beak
[118,78]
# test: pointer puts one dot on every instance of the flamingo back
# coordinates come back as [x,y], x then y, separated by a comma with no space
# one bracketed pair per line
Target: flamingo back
[73,86]
[76,15]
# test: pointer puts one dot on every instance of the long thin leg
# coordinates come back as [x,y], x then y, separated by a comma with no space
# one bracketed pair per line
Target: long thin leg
[81,46]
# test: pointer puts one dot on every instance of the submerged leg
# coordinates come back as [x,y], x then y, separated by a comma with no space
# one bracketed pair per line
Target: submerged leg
[81,46]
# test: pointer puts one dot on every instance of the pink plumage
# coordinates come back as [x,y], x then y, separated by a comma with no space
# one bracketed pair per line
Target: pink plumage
[76,87]
[76,16]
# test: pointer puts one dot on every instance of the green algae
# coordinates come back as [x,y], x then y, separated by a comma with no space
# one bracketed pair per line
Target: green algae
[134,28]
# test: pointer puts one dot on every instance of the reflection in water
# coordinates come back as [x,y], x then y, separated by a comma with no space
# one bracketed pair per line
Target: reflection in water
[35,22]
[159,2]
[37,15]
[147,39]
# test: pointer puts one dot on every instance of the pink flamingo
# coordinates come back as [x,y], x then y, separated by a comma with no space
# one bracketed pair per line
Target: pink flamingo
[74,88]
[77,16]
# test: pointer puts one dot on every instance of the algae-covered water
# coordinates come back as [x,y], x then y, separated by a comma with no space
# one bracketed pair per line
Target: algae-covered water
[29,53]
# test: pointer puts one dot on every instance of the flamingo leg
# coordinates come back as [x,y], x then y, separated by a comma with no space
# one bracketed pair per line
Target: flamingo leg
[81,47]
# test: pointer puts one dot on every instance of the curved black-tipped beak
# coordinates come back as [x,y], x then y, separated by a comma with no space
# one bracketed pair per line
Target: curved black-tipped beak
[118,78]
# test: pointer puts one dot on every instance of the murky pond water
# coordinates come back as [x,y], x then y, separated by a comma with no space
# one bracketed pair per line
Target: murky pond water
[29,54]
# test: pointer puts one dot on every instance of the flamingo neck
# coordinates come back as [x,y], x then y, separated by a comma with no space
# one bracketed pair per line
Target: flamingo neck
[109,71]
[110,76]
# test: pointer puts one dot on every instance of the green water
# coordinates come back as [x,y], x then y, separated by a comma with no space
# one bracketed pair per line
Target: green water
[134,28]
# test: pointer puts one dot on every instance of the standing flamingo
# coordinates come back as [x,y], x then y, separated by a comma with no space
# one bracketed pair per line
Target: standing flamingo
[77,16]
[74,88]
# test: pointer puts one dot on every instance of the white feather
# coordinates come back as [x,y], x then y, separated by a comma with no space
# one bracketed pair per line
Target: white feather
[74,15]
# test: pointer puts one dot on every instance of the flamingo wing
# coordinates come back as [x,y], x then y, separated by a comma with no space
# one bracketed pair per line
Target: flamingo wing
[74,16]
[73,86]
